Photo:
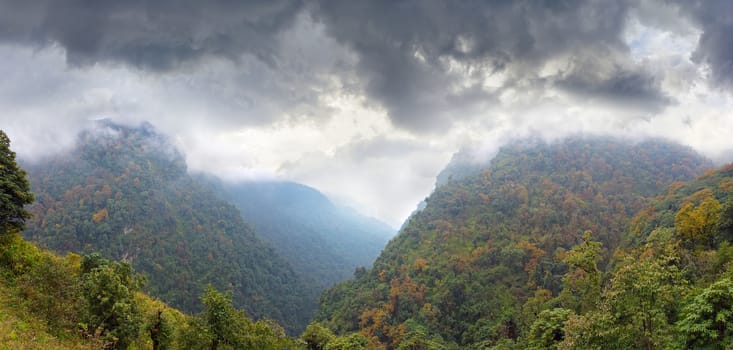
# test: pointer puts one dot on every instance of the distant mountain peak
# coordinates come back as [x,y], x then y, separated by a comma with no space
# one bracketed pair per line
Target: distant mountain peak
[470,160]
[114,145]
[489,240]
[124,191]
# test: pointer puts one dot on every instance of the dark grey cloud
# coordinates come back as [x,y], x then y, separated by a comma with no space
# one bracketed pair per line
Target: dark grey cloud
[416,55]
[427,62]
[715,47]
[630,88]
[152,34]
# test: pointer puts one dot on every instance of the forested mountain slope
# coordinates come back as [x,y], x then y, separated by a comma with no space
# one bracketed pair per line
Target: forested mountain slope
[323,242]
[89,302]
[702,210]
[496,239]
[670,285]
[125,193]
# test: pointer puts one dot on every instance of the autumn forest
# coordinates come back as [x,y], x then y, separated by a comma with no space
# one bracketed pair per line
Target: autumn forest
[366,175]
[582,243]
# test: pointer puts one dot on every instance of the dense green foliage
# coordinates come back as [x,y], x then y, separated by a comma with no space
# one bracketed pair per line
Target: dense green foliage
[124,193]
[108,294]
[221,326]
[495,247]
[317,337]
[14,189]
[707,319]
[323,242]
[47,302]
[548,329]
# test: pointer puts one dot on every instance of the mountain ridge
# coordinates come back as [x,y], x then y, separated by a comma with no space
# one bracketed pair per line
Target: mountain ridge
[461,268]
[126,193]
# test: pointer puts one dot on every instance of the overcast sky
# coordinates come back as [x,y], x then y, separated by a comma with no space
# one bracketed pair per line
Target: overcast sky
[365,100]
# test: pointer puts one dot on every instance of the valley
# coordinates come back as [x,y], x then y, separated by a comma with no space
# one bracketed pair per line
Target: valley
[540,235]
[366,175]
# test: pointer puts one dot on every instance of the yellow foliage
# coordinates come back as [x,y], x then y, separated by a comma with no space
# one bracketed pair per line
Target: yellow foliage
[708,173]
[420,264]
[535,254]
[697,223]
[371,318]
[698,196]
[18,330]
[485,198]
[100,215]
[727,185]
[382,275]
[396,333]
[728,168]
[74,261]
[486,177]
[640,219]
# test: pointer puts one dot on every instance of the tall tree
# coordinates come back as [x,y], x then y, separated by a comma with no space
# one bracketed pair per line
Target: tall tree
[548,329]
[582,282]
[14,189]
[698,224]
[223,321]
[706,319]
[108,289]
[638,308]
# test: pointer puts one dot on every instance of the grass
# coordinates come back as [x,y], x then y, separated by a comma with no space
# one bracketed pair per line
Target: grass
[20,331]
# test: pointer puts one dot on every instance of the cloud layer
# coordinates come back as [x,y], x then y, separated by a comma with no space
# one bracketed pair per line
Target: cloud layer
[349,96]
[426,62]
[422,59]
[155,35]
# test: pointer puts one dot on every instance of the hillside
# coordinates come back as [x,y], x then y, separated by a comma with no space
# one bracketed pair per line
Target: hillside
[21,331]
[671,283]
[496,238]
[86,302]
[323,242]
[705,200]
[89,302]
[125,193]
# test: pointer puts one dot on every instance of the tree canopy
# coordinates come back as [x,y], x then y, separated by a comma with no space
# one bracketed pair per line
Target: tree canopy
[14,189]
[129,197]
[498,258]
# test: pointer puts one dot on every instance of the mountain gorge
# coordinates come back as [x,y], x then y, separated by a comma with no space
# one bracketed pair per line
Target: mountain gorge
[581,243]
[125,193]
[217,175]
[495,243]
[323,242]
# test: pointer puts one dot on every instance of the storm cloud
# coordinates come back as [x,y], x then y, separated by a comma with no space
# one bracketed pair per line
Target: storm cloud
[418,57]
[346,95]
[427,63]
[155,35]
[715,46]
